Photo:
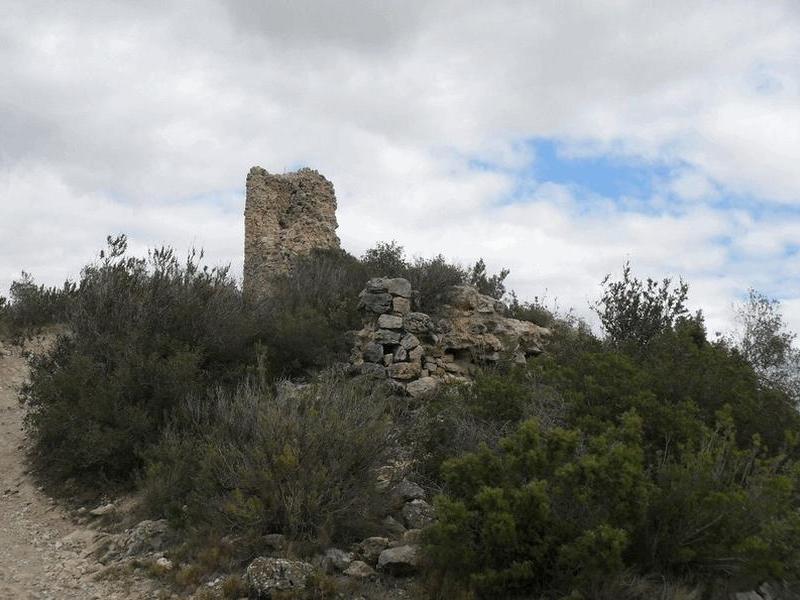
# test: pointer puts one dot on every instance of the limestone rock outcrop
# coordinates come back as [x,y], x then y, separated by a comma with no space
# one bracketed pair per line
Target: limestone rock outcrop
[267,575]
[418,350]
[286,216]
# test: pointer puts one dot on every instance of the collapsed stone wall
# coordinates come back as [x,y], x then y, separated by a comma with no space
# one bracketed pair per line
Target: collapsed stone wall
[417,351]
[285,216]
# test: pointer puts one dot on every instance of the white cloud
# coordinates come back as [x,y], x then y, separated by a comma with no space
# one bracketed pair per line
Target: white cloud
[145,117]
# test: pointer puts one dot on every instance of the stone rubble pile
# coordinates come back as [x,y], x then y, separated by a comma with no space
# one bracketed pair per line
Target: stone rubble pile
[396,555]
[417,351]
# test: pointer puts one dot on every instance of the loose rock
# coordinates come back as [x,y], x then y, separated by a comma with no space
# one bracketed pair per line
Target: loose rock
[418,514]
[370,548]
[266,575]
[359,570]
[399,561]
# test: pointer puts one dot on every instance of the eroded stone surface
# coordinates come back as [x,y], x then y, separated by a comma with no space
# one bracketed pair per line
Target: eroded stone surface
[419,350]
[268,575]
[286,216]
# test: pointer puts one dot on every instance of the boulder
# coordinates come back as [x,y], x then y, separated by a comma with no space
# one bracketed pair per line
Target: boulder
[422,387]
[359,570]
[376,285]
[418,514]
[468,298]
[400,354]
[416,354]
[401,305]
[417,322]
[377,303]
[267,575]
[390,322]
[404,370]
[409,341]
[371,548]
[146,536]
[412,536]
[393,526]
[400,561]
[405,491]
[103,510]
[398,286]
[336,559]
[372,370]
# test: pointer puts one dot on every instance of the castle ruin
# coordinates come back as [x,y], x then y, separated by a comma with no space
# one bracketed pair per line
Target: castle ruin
[285,216]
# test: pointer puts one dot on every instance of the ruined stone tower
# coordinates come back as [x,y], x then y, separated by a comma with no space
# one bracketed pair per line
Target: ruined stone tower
[285,216]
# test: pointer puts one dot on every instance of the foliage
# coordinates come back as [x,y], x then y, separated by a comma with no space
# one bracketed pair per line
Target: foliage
[632,311]
[31,306]
[561,513]
[385,259]
[301,461]
[535,311]
[721,510]
[142,334]
[718,485]
[491,285]
[546,511]
[598,467]
[306,318]
[765,342]
[459,418]
[430,277]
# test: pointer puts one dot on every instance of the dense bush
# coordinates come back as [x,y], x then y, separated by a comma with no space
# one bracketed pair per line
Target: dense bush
[633,311]
[764,341]
[33,306]
[141,335]
[302,462]
[306,319]
[711,468]
[609,462]
[430,277]
[547,511]
[459,418]
[563,514]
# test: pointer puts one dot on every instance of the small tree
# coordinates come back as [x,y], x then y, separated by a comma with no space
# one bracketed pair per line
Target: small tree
[491,285]
[765,342]
[633,311]
[385,259]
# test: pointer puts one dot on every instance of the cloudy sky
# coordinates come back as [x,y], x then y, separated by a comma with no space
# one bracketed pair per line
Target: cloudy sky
[556,138]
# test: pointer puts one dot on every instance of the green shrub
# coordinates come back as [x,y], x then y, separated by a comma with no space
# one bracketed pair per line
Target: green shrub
[632,311]
[459,418]
[547,511]
[141,335]
[491,285]
[302,462]
[306,318]
[561,514]
[722,511]
[430,277]
[31,306]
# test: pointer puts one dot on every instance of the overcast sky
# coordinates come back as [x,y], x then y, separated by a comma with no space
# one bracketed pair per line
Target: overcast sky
[556,138]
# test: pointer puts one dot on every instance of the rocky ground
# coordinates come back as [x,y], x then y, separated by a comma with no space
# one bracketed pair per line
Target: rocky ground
[101,552]
[43,554]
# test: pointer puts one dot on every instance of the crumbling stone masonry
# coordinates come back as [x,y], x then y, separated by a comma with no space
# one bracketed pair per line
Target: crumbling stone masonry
[285,216]
[417,351]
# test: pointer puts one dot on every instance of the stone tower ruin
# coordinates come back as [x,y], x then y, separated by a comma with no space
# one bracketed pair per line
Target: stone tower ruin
[285,216]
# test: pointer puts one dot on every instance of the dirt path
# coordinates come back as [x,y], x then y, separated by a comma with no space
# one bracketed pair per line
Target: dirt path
[42,553]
